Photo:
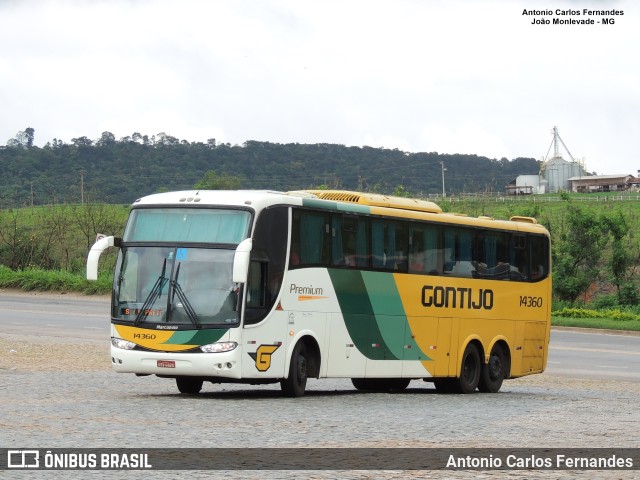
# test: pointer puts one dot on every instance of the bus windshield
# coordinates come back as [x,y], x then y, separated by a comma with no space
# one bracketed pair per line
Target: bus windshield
[187,225]
[175,285]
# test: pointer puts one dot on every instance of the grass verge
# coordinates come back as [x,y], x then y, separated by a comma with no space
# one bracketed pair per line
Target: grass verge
[33,279]
[609,319]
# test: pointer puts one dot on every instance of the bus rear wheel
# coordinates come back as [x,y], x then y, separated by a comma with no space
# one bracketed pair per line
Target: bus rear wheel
[296,383]
[380,384]
[189,385]
[493,372]
[470,371]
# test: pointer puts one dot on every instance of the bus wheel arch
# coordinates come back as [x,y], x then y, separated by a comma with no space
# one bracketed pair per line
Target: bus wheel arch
[496,369]
[304,363]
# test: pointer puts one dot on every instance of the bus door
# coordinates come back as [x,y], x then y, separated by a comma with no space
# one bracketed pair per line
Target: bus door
[265,331]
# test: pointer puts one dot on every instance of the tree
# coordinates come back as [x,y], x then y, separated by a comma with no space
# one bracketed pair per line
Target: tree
[23,139]
[107,138]
[82,142]
[621,259]
[577,253]
[30,136]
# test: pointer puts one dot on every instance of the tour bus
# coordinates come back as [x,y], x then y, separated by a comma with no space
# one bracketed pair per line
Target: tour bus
[263,287]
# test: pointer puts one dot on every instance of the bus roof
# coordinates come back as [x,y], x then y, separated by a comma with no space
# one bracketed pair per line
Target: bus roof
[346,201]
[376,204]
[254,199]
[376,200]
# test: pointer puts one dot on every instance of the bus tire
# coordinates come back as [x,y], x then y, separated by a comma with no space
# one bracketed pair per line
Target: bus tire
[363,384]
[444,385]
[189,385]
[493,372]
[397,383]
[294,385]
[380,384]
[470,370]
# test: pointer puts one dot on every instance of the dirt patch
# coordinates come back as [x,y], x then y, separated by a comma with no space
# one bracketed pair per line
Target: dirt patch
[29,353]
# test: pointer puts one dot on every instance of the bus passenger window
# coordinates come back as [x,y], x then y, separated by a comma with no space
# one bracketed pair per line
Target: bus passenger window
[425,251]
[539,257]
[389,245]
[349,241]
[309,239]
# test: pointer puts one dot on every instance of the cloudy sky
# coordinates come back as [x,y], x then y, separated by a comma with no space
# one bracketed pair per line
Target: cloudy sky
[451,76]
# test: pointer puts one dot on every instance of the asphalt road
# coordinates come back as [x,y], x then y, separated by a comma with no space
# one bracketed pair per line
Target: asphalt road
[572,352]
[54,314]
[598,355]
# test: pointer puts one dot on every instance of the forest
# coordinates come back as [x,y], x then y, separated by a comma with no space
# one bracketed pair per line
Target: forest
[120,170]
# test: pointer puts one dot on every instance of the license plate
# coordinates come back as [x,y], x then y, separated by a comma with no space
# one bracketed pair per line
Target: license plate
[166,364]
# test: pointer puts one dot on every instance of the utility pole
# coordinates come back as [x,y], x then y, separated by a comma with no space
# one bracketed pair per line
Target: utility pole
[82,172]
[444,194]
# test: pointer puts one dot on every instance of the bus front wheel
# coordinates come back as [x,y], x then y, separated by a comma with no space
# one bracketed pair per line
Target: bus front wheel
[295,384]
[380,384]
[189,385]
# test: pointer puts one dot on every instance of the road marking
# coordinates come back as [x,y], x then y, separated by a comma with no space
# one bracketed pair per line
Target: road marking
[47,312]
[595,350]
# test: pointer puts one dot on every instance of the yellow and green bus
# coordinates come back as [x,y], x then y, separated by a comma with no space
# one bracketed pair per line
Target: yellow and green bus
[264,287]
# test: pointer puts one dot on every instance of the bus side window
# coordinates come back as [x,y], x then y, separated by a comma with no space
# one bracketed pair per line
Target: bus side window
[349,241]
[268,257]
[257,284]
[459,251]
[389,244]
[310,244]
[538,257]
[426,254]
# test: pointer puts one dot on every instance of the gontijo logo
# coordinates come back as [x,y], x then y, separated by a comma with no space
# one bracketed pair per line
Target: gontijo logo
[457,297]
[262,356]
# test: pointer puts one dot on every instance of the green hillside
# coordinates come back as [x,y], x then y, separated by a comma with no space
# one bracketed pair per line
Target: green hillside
[119,171]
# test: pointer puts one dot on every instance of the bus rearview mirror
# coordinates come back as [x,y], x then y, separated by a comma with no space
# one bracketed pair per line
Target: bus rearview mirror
[241,261]
[94,255]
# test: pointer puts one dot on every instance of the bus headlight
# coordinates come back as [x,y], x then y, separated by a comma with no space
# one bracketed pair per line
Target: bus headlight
[218,347]
[122,343]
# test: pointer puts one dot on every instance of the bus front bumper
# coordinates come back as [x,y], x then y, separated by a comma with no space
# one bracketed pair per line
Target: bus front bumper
[222,364]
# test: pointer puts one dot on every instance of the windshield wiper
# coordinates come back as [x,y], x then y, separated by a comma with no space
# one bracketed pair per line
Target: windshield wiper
[176,289]
[154,294]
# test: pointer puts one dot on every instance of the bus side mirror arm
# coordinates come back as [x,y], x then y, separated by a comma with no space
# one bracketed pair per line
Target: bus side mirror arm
[94,255]
[241,261]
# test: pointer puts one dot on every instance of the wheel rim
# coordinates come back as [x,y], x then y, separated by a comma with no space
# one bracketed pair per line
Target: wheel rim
[470,368]
[495,366]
